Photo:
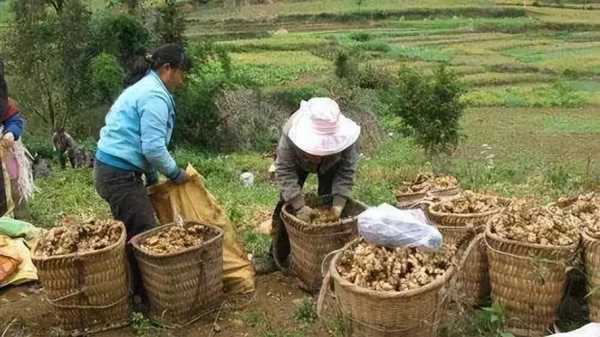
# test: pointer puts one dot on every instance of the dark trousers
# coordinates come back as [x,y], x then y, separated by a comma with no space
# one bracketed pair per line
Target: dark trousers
[129,202]
[280,246]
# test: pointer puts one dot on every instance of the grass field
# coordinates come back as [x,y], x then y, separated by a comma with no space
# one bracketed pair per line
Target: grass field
[533,80]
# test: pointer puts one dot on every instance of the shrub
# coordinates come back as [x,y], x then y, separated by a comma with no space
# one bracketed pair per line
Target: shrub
[431,106]
[123,36]
[197,113]
[170,24]
[345,65]
[107,77]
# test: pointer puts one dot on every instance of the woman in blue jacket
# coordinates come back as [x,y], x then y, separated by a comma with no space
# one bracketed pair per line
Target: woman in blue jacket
[133,143]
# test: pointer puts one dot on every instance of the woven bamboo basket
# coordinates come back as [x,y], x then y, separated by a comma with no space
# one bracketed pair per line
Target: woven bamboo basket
[591,256]
[477,220]
[528,281]
[414,313]
[473,280]
[89,291]
[414,200]
[185,285]
[310,243]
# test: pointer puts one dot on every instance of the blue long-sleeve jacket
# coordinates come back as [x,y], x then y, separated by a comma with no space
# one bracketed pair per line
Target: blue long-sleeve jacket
[138,129]
[15,125]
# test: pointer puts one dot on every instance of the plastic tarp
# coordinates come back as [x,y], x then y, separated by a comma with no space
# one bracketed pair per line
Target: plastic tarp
[589,330]
[193,202]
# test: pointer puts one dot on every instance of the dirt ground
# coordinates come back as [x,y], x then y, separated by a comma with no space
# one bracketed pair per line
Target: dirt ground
[269,312]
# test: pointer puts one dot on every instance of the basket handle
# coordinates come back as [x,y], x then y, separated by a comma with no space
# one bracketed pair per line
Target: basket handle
[325,287]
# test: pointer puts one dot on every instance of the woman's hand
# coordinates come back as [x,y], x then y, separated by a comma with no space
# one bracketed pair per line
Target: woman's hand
[8,140]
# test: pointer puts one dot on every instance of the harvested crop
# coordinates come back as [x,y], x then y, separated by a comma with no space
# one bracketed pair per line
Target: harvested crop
[324,215]
[426,182]
[523,222]
[393,269]
[175,238]
[587,208]
[73,237]
[470,203]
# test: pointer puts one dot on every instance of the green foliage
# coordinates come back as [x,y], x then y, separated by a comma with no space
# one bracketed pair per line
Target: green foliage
[197,113]
[141,325]
[107,77]
[345,65]
[306,312]
[122,35]
[255,243]
[170,25]
[360,36]
[430,105]
[73,190]
[49,56]
[291,97]
[558,94]
[493,319]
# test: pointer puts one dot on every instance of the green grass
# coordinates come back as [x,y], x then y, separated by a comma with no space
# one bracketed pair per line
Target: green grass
[565,124]
[559,94]
[287,8]
[277,67]
[5,13]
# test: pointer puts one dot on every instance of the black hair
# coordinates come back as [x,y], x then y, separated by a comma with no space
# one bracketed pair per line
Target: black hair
[172,54]
[3,90]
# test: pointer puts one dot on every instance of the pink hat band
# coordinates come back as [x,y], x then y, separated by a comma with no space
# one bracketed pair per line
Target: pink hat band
[325,127]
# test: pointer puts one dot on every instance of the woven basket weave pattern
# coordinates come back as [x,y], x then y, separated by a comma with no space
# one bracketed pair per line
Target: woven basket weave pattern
[591,251]
[473,277]
[184,285]
[415,313]
[309,243]
[528,281]
[88,290]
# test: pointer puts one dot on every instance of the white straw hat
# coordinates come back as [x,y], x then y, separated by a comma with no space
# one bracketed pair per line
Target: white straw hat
[319,128]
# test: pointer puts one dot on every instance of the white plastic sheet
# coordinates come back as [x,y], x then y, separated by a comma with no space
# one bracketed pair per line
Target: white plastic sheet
[388,226]
[589,330]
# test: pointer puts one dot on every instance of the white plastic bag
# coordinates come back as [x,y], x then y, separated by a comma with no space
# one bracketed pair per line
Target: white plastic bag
[388,226]
[590,330]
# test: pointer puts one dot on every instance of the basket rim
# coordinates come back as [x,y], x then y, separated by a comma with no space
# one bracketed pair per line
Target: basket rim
[400,194]
[464,215]
[496,237]
[117,243]
[135,241]
[437,283]
[341,221]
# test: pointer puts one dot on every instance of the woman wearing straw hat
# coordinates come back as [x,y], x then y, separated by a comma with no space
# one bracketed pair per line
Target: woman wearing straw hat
[316,139]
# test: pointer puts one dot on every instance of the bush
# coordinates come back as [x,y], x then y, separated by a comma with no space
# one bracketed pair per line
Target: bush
[291,97]
[197,113]
[370,77]
[345,65]
[123,36]
[107,77]
[431,106]
[360,36]
[170,25]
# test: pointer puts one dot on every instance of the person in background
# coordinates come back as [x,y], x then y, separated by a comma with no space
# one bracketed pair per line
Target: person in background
[318,139]
[16,185]
[133,142]
[65,145]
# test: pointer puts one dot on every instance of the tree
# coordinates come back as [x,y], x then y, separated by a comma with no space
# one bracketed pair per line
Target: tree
[431,106]
[170,25]
[48,51]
